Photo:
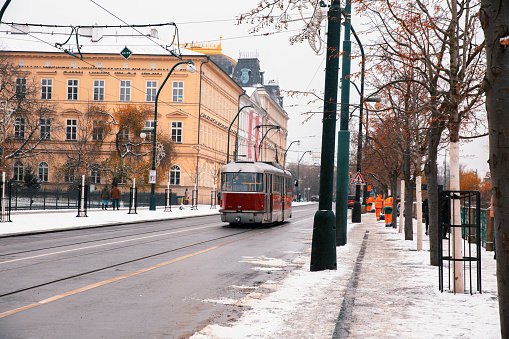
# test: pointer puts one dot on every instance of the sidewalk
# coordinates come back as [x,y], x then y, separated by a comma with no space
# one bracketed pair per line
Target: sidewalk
[382,288]
[387,291]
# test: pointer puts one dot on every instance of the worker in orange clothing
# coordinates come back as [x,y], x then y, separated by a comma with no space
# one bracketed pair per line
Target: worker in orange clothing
[388,211]
[369,204]
[378,206]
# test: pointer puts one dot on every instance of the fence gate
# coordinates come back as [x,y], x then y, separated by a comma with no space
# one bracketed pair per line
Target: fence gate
[470,227]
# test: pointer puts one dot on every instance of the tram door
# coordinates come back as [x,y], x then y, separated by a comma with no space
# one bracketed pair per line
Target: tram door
[268,197]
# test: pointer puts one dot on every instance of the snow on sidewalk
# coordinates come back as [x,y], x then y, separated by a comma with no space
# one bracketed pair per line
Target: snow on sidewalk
[397,296]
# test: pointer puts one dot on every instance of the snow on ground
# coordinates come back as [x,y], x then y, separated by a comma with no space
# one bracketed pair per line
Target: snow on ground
[397,296]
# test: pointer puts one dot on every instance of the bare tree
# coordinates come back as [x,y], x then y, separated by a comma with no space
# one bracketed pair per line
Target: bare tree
[25,119]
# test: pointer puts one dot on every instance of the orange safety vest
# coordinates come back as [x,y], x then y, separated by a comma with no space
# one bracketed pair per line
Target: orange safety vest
[388,202]
[378,202]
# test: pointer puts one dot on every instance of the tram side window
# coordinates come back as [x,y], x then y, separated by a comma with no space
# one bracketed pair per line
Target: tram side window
[277,185]
[241,182]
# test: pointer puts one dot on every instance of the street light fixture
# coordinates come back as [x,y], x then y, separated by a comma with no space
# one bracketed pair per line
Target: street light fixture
[191,68]
[261,141]
[298,142]
[229,129]
[356,212]
[298,174]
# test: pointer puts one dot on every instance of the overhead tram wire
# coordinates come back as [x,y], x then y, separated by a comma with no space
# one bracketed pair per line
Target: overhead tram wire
[133,27]
[93,66]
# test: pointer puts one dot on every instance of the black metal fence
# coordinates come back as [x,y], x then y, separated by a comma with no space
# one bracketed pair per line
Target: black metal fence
[26,199]
[470,227]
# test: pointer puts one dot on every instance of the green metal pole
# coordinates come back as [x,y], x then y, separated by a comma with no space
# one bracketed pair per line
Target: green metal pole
[344,137]
[323,246]
[152,203]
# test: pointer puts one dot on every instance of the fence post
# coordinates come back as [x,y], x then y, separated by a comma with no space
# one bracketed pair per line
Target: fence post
[167,207]
[213,197]
[489,231]
[194,199]
[5,200]
[133,200]
[82,201]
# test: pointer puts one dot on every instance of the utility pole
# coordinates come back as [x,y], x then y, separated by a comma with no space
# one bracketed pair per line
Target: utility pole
[343,159]
[323,247]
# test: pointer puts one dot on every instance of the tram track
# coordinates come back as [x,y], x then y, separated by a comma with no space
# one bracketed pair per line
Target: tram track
[101,239]
[120,264]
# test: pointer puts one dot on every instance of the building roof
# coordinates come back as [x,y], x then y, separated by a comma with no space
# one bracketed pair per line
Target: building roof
[90,44]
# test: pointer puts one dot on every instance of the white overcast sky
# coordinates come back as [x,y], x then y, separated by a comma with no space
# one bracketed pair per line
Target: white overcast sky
[296,67]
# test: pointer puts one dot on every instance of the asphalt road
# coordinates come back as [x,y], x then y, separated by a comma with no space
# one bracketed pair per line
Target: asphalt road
[148,280]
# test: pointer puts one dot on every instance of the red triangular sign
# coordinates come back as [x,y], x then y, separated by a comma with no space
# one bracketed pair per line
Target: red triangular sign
[358,180]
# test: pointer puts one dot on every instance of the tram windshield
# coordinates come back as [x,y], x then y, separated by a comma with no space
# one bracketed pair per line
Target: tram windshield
[241,182]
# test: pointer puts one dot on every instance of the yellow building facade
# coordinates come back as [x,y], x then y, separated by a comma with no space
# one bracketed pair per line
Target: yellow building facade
[194,109]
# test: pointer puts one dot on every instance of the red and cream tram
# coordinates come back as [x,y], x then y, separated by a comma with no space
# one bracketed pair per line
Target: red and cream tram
[255,193]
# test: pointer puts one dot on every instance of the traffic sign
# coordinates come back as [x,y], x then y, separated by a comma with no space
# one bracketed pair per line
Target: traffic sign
[126,53]
[358,180]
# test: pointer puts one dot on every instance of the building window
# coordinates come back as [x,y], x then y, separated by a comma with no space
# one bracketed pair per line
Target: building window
[151,91]
[95,176]
[21,88]
[149,125]
[44,171]
[176,131]
[125,90]
[71,129]
[19,128]
[17,173]
[46,89]
[69,174]
[97,130]
[178,91]
[175,175]
[124,134]
[98,90]
[72,89]
[45,128]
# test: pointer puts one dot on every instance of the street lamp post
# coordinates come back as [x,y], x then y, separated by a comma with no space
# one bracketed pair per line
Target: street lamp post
[298,175]
[229,129]
[343,160]
[356,212]
[323,247]
[267,132]
[191,69]
[296,141]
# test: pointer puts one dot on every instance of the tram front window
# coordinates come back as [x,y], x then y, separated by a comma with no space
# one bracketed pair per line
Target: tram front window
[241,182]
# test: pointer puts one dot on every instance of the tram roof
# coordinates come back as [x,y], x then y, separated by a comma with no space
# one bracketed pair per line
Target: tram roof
[253,167]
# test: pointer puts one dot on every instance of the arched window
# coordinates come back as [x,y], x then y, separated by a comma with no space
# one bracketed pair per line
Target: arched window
[95,174]
[17,174]
[69,173]
[43,171]
[175,175]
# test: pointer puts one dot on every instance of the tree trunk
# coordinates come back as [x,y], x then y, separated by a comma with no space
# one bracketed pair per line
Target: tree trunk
[409,202]
[494,15]
[454,117]
[431,179]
